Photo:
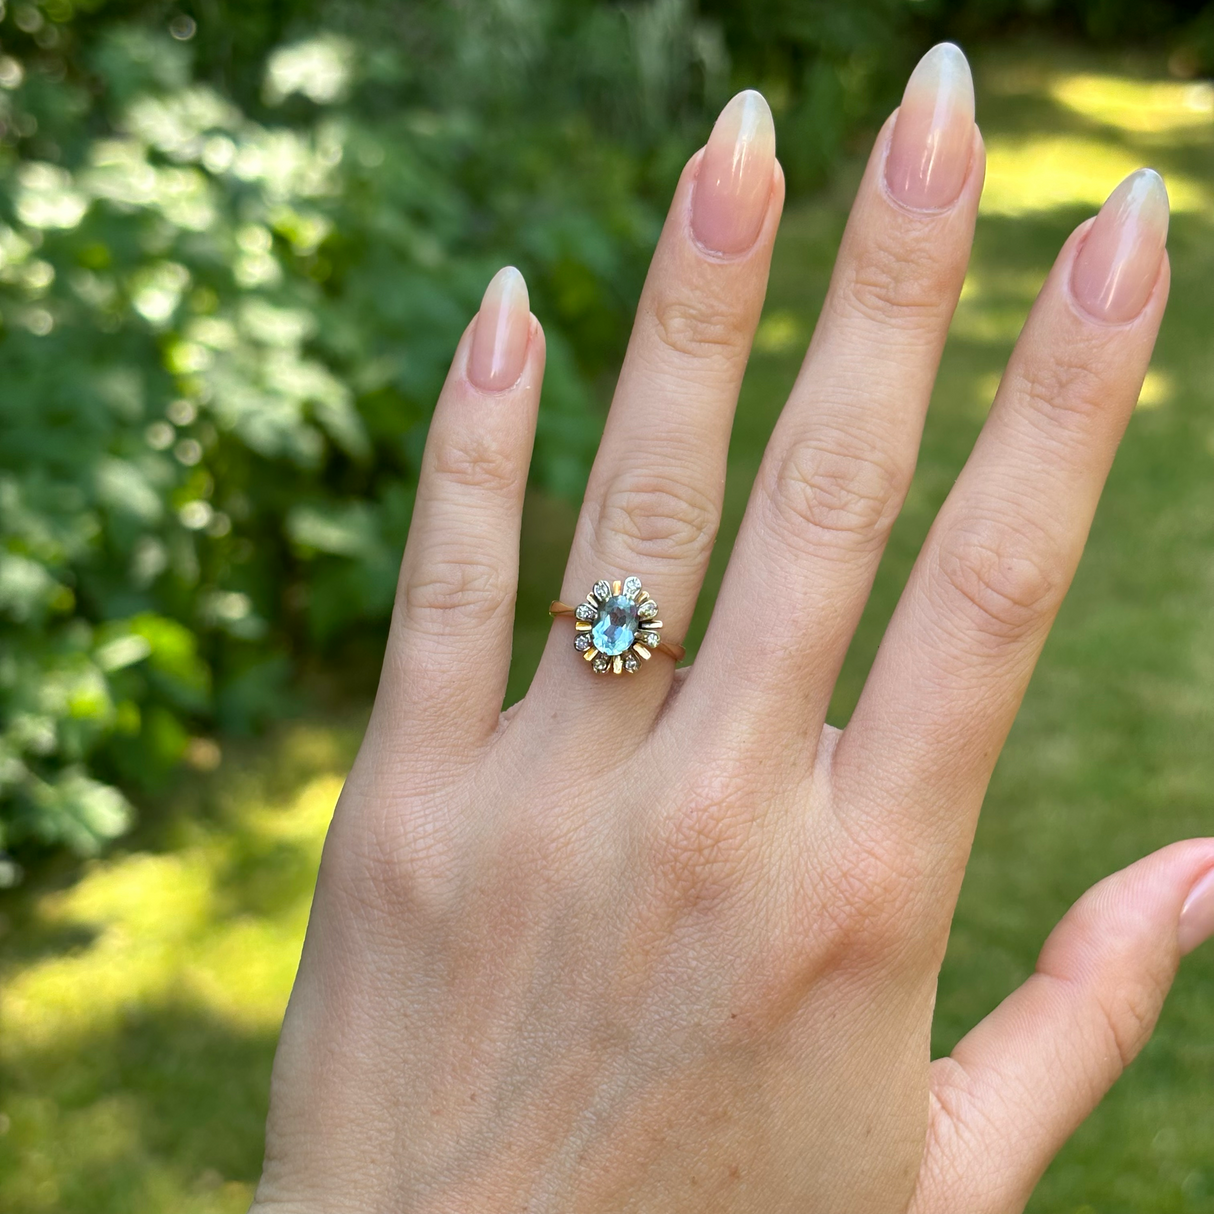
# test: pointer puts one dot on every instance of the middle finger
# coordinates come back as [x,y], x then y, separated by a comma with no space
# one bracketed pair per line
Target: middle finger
[842,455]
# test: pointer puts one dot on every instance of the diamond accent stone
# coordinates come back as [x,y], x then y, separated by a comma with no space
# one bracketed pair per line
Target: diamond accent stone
[651,639]
[581,642]
[601,663]
[586,612]
[630,662]
[602,591]
[632,586]
[616,626]
[647,610]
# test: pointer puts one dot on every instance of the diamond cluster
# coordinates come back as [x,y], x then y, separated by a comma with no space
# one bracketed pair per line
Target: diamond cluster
[617,627]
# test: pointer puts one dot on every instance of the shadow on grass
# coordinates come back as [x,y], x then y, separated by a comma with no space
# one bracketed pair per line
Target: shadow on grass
[142,994]
[165,1109]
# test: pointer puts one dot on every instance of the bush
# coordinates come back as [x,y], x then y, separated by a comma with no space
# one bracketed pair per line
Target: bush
[225,319]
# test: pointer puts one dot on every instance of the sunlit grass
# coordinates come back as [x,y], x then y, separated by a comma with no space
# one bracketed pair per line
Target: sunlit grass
[185,953]
[164,927]
[1143,107]
[1158,389]
[1128,122]
[1042,173]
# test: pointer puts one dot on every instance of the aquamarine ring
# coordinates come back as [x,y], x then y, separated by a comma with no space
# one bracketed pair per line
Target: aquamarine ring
[617,627]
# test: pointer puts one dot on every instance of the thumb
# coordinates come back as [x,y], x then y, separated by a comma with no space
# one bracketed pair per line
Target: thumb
[1019,1084]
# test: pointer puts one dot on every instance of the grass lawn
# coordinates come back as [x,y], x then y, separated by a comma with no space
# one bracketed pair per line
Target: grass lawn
[140,999]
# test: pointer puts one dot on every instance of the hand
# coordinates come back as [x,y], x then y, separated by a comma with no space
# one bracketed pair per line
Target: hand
[668,942]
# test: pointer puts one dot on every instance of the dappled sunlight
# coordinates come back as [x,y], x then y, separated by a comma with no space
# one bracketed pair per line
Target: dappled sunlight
[988,322]
[187,954]
[1040,173]
[994,303]
[1158,389]
[164,931]
[1143,120]
[109,1135]
[983,396]
[779,332]
[985,283]
[1140,107]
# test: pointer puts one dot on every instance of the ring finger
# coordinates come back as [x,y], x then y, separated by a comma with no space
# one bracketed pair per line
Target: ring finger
[654,497]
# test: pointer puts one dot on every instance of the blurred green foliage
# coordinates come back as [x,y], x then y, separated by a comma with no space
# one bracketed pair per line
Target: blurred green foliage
[832,67]
[226,313]
[238,244]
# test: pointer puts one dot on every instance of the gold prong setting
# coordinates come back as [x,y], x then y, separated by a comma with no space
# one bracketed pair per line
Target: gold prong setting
[617,626]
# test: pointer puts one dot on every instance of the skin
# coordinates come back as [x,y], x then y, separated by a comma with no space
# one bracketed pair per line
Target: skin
[669,942]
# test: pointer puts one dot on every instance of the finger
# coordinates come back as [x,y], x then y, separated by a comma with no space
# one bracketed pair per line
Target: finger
[841,458]
[448,650]
[653,500]
[971,622]
[1018,1085]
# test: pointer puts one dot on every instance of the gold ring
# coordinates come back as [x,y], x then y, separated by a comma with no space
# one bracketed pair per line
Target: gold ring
[617,627]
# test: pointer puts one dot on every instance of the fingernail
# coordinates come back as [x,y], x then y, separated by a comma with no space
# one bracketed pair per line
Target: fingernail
[1197,917]
[933,140]
[934,132]
[1119,262]
[733,186]
[499,343]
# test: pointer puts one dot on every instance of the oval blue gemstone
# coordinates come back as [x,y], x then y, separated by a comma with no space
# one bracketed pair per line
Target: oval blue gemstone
[616,628]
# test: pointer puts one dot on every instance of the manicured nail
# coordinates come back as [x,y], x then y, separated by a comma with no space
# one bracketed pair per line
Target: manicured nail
[1119,262]
[733,186]
[933,140]
[1197,917]
[499,343]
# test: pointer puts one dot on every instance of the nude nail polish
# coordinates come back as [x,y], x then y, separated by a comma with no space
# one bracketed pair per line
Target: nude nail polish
[933,139]
[733,185]
[1118,264]
[503,326]
[1197,917]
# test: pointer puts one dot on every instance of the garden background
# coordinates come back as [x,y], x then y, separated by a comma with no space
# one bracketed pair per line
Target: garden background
[237,245]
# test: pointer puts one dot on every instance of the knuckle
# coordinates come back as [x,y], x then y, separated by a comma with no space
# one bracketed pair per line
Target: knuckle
[1126,988]
[703,330]
[393,853]
[899,286]
[660,518]
[453,592]
[865,893]
[474,462]
[1129,1017]
[818,492]
[701,853]
[1004,582]
[412,875]
[1062,393]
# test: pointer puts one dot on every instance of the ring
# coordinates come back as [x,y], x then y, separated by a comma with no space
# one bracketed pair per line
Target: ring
[617,627]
